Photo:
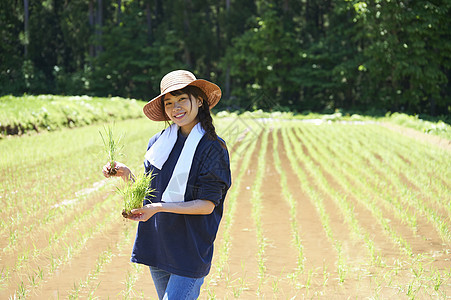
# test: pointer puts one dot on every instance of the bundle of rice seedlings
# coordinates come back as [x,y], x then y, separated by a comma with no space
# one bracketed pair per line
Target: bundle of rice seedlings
[135,192]
[112,147]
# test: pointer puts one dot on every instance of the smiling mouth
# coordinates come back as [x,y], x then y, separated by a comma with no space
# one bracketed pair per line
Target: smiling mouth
[180,115]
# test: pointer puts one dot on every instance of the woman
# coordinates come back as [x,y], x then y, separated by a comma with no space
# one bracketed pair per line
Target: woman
[192,175]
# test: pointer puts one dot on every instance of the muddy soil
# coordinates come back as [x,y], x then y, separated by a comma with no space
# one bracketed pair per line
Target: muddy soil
[321,267]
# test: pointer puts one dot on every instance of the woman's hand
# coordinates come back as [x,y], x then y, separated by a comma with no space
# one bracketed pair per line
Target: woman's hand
[195,207]
[121,171]
[144,213]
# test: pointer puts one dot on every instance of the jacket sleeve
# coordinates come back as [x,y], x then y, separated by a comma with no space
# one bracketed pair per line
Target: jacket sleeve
[214,176]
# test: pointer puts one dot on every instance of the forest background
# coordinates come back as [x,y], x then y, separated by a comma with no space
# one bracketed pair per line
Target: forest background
[368,56]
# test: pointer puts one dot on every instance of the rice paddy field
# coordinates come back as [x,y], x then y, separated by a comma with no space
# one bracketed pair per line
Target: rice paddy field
[316,211]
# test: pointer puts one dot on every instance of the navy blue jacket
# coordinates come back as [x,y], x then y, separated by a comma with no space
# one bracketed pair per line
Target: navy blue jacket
[183,244]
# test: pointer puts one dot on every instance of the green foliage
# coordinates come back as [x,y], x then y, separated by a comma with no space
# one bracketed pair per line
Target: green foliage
[123,66]
[312,55]
[19,115]
[438,128]
[261,61]
[408,50]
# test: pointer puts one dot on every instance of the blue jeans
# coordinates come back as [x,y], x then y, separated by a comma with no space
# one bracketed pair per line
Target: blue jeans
[174,287]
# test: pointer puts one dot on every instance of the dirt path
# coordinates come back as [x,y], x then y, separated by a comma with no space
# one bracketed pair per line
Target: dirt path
[418,135]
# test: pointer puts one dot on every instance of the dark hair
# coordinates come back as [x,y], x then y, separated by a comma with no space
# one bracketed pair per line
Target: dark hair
[203,114]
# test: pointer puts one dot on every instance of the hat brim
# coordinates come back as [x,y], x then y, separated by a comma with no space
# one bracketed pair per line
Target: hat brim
[154,110]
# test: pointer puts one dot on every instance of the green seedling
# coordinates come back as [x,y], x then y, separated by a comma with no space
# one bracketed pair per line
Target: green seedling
[112,147]
[135,192]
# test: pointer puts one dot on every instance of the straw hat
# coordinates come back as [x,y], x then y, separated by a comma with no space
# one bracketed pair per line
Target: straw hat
[177,80]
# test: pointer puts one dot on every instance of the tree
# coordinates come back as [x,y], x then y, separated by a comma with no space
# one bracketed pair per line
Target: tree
[408,53]
[304,55]
[261,59]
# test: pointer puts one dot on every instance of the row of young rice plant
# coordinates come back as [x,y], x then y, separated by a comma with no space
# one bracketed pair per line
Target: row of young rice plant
[375,184]
[428,166]
[317,201]
[341,170]
[290,199]
[406,190]
[317,168]
[409,180]
[46,171]
[348,186]
[50,201]
[419,166]
[257,207]
[60,254]
[68,237]
[396,170]
[378,216]
[241,150]
[63,191]
[403,194]
[358,181]
[88,286]
[328,162]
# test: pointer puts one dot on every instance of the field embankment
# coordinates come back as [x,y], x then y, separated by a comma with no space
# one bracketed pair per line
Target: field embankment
[19,115]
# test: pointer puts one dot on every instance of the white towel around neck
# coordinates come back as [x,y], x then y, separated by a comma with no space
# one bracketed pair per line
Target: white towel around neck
[159,152]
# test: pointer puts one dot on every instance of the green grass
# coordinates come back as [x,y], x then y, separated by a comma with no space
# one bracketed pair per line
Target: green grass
[438,128]
[19,115]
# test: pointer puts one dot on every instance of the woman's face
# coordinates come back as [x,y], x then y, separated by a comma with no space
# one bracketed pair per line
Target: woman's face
[182,110]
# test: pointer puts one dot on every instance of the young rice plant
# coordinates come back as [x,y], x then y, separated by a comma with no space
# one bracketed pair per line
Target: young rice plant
[112,147]
[135,193]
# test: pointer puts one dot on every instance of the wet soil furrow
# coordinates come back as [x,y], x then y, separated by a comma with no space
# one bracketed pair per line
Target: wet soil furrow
[320,256]
[344,245]
[419,209]
[343,184]
[77,270]
[414,175]
[241,272]
[238,165]
[58,256]
[368,181]
[280,253]
[120,278]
